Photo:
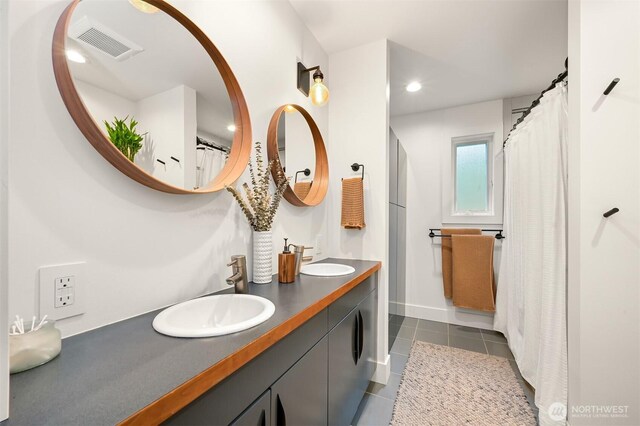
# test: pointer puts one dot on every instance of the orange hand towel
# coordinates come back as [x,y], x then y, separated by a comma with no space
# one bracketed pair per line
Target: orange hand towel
[301,189]
[352,203]
[473,283]
[447,268]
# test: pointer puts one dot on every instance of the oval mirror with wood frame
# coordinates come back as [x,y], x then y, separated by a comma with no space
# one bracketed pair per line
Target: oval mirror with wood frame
[293,139]
[152,94]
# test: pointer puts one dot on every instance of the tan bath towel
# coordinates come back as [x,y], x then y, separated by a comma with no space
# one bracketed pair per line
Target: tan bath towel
[301,189]
[352,203]
[473,283]
[447,270]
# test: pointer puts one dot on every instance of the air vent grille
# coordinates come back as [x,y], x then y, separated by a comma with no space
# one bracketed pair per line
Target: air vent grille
[103,38]
[103,42]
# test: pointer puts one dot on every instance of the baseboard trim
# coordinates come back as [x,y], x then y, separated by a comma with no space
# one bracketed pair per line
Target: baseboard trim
[383,371]
[458,316]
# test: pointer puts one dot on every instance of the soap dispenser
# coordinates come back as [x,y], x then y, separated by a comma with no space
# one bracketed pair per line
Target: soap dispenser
[286,265]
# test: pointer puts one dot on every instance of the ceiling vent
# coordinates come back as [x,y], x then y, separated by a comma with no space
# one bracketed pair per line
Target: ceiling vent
[103,38]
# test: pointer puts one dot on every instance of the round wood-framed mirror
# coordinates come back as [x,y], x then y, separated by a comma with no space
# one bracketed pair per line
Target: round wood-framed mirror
[124,45]
[292,131]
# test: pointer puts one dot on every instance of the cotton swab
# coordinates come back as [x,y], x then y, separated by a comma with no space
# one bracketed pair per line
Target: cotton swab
[41,322]
[33,322]
[13,330]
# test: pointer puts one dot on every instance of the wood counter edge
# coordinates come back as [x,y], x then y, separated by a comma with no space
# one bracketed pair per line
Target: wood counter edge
[168,405]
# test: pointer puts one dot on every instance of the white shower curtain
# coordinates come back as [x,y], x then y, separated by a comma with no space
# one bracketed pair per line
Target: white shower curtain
[209,164]
[531,290]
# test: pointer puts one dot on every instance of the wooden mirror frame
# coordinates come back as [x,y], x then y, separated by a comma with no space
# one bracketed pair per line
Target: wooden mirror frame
[321,174]
[240,148]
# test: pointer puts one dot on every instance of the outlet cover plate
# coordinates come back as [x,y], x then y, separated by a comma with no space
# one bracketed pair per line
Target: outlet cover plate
[49,280]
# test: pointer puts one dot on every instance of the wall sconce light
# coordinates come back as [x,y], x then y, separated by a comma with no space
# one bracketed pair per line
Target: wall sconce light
[318,92]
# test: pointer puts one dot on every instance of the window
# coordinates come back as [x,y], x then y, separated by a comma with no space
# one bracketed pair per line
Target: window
[472,173]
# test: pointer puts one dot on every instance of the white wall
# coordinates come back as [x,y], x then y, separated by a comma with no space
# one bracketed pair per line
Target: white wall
[144,249]
[169,119]
[105,105]
[426,137]
[4,134]
[359,117]
[604,172]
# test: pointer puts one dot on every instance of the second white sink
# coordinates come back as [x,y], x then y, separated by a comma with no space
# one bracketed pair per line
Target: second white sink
[215,315]
[327,269]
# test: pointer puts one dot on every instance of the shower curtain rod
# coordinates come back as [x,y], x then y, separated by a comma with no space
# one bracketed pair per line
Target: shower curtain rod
[536,102]
[200,141]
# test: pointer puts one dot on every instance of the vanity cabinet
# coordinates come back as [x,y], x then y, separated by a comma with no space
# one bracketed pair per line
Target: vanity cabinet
[352,346]
[316,375]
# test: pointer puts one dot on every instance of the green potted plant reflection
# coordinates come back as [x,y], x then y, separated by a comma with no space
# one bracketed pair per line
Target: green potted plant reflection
[124,136]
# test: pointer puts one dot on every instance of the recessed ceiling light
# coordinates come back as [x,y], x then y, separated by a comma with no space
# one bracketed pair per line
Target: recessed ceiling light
[231,127]
[75,56]
[414,86]
[143,6]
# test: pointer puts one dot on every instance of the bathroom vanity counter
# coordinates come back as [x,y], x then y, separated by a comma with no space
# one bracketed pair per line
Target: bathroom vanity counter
[127,372]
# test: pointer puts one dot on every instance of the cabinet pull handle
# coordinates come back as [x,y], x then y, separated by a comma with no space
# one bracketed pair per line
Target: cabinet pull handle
[263,418]
[281,418]
[354,340]
[360,335]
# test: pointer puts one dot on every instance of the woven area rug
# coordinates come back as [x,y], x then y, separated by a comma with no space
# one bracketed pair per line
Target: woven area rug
[449,386]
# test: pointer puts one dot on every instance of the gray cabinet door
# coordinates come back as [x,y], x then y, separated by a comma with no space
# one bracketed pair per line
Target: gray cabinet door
[393,256]
[367,322]
[258,414]
[344,394]
[299,397]
[402,176]
[393,167]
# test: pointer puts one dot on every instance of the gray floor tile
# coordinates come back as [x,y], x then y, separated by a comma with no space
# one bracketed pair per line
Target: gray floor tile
[394,329]
[439,327]
[462,331]
[432,337]
[409,322]
[401,346]
[467,343]
[498,349]
[493,336]
[407,333]
[389,391]
[398,362]
[373,411]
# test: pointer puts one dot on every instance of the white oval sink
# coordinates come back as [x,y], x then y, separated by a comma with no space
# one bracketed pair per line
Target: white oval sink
[215,315]
[327,269]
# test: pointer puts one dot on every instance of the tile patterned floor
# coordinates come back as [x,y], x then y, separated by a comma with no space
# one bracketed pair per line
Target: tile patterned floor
[376,407]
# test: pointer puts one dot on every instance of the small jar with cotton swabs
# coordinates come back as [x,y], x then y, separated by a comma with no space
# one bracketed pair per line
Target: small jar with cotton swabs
[32,344]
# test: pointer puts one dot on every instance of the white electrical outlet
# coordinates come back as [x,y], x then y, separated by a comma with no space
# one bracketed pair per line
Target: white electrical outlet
[61,290]
[65,291]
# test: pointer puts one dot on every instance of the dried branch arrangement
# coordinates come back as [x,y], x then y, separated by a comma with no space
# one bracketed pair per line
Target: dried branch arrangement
[260,206]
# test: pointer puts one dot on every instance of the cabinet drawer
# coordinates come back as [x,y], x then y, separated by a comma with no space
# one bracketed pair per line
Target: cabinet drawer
[341,307]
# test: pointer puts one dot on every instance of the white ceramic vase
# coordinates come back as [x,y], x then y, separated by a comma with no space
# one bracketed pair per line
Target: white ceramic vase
[262,257]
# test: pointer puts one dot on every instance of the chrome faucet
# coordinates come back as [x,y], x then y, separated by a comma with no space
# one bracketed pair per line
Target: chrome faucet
[300,257]
[239,277]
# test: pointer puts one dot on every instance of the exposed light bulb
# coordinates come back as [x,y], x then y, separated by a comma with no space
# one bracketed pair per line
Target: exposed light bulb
[319,93]
[143,6]
[414,86]
[231,127]
[75,56]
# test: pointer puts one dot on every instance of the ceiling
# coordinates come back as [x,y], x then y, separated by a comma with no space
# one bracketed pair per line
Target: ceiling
[461,51]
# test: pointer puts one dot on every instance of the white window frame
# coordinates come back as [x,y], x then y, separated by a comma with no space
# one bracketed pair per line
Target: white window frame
[493,214]
[485,139]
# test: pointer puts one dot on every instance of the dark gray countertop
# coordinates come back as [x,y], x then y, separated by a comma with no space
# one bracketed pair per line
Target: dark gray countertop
[103,376]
